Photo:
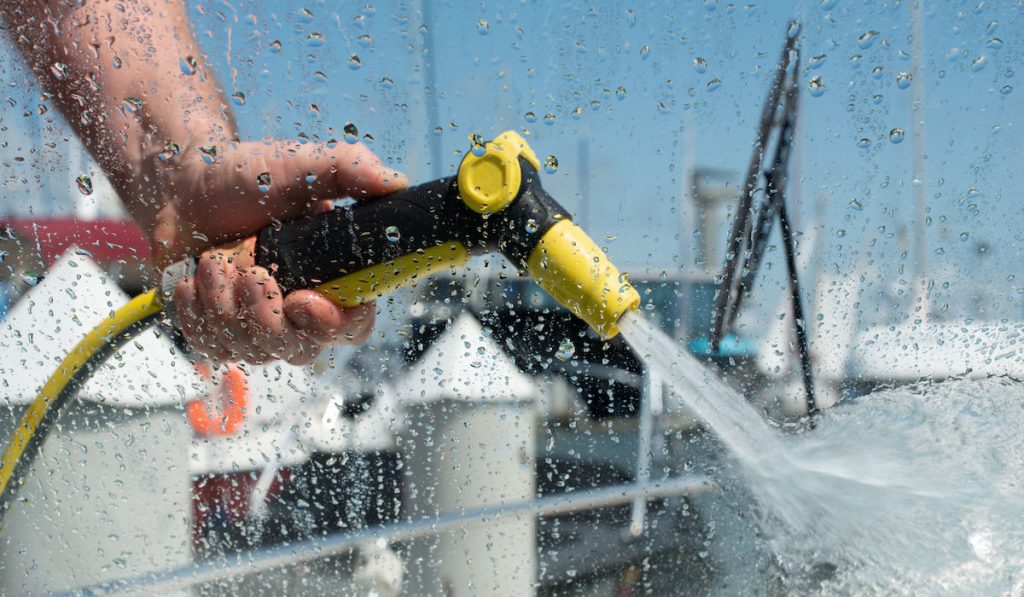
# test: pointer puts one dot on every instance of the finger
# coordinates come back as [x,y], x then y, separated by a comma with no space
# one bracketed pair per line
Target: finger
[215,285]
[326,323]
[188,311]
[270,332]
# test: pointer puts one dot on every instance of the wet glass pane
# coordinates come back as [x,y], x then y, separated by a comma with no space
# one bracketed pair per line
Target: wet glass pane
[707,298]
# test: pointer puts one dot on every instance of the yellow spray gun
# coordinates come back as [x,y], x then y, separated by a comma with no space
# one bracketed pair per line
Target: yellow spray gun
[358,253]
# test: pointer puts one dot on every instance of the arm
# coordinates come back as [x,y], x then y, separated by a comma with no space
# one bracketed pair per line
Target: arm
[131,81]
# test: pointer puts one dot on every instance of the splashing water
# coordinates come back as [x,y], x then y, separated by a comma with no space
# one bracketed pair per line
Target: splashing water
[913,490]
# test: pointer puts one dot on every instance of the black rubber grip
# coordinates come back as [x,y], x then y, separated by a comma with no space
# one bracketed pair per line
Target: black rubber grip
[311,251]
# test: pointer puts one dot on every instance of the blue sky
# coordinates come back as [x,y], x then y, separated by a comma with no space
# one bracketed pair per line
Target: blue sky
[546,57]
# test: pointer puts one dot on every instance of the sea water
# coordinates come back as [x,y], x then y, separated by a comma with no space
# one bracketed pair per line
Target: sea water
[916,490]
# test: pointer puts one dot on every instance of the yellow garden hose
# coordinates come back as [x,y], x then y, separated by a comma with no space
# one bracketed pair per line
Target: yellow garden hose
[104,339]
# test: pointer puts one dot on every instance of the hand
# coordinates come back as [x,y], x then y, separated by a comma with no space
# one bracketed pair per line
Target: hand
[233,309]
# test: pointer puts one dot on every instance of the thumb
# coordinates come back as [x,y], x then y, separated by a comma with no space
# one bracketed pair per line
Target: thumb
[293,177]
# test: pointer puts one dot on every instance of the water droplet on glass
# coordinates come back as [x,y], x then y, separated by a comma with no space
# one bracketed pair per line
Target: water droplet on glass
[816,86]
[856,205]
[305,15]
[663,108]
[645,51]
[793,30]
[1006,90]
[170,150]
[877,99]
[84,184]
[131,104]
[310,177]
[387,83]
[351,133]
[828,4]
[867,39]
[551,164]
[992,26]
[620,93]
[209,153]
[903,80]
[331,143]
[188,65]
[595,105]
[238,98]
[482,27]
[817,61]
[700,65]
[59,70]
[275,46]
[896,135]
[116,62]
[315,40]
[315,109]
[878,72]
[979,63]
[263,182]
[577,112]
[549,119]
[864,143]
[532,226]
[366,40]
[354,62]
[530,117]
[841,233]
[714,84]
[31,278]
[565,350]
[392,234]
[855,60]
[994,44]
[964,236]
[477,145]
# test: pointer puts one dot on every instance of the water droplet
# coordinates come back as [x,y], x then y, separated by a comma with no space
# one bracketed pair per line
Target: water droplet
[994,44]
[263,182]
[856,205]
[964,236]
[310,177]
[315,40]
[979,63]
[817,61]
[577,112]
[532,226]
[59,70]
[700,65]
[793,30]
[238,98]
[393,234]
[188,65]
[867,39]
[864,143]
[354,62]
[483,27]
[816,86]
[877,99]
[620,93]
[828,4]
[992,26]
[851,107]
[351,133]
[209,153]
[42,109]
[275,46]
[663,108]
[551,164]
[855,60]
[841,232]
[565,350]
[31,278]
[903,80]
[896,135]
[366,40]
[714,84]
[595,105]
[878,72]
[1006,90]
[305,15]
[477,146]
[315,109]
[710,5]
[116,62]
[549,119]
[387,83]
[645,51]
[131,104]
[332,143]
[84,184]
[530,117]
[170,150]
